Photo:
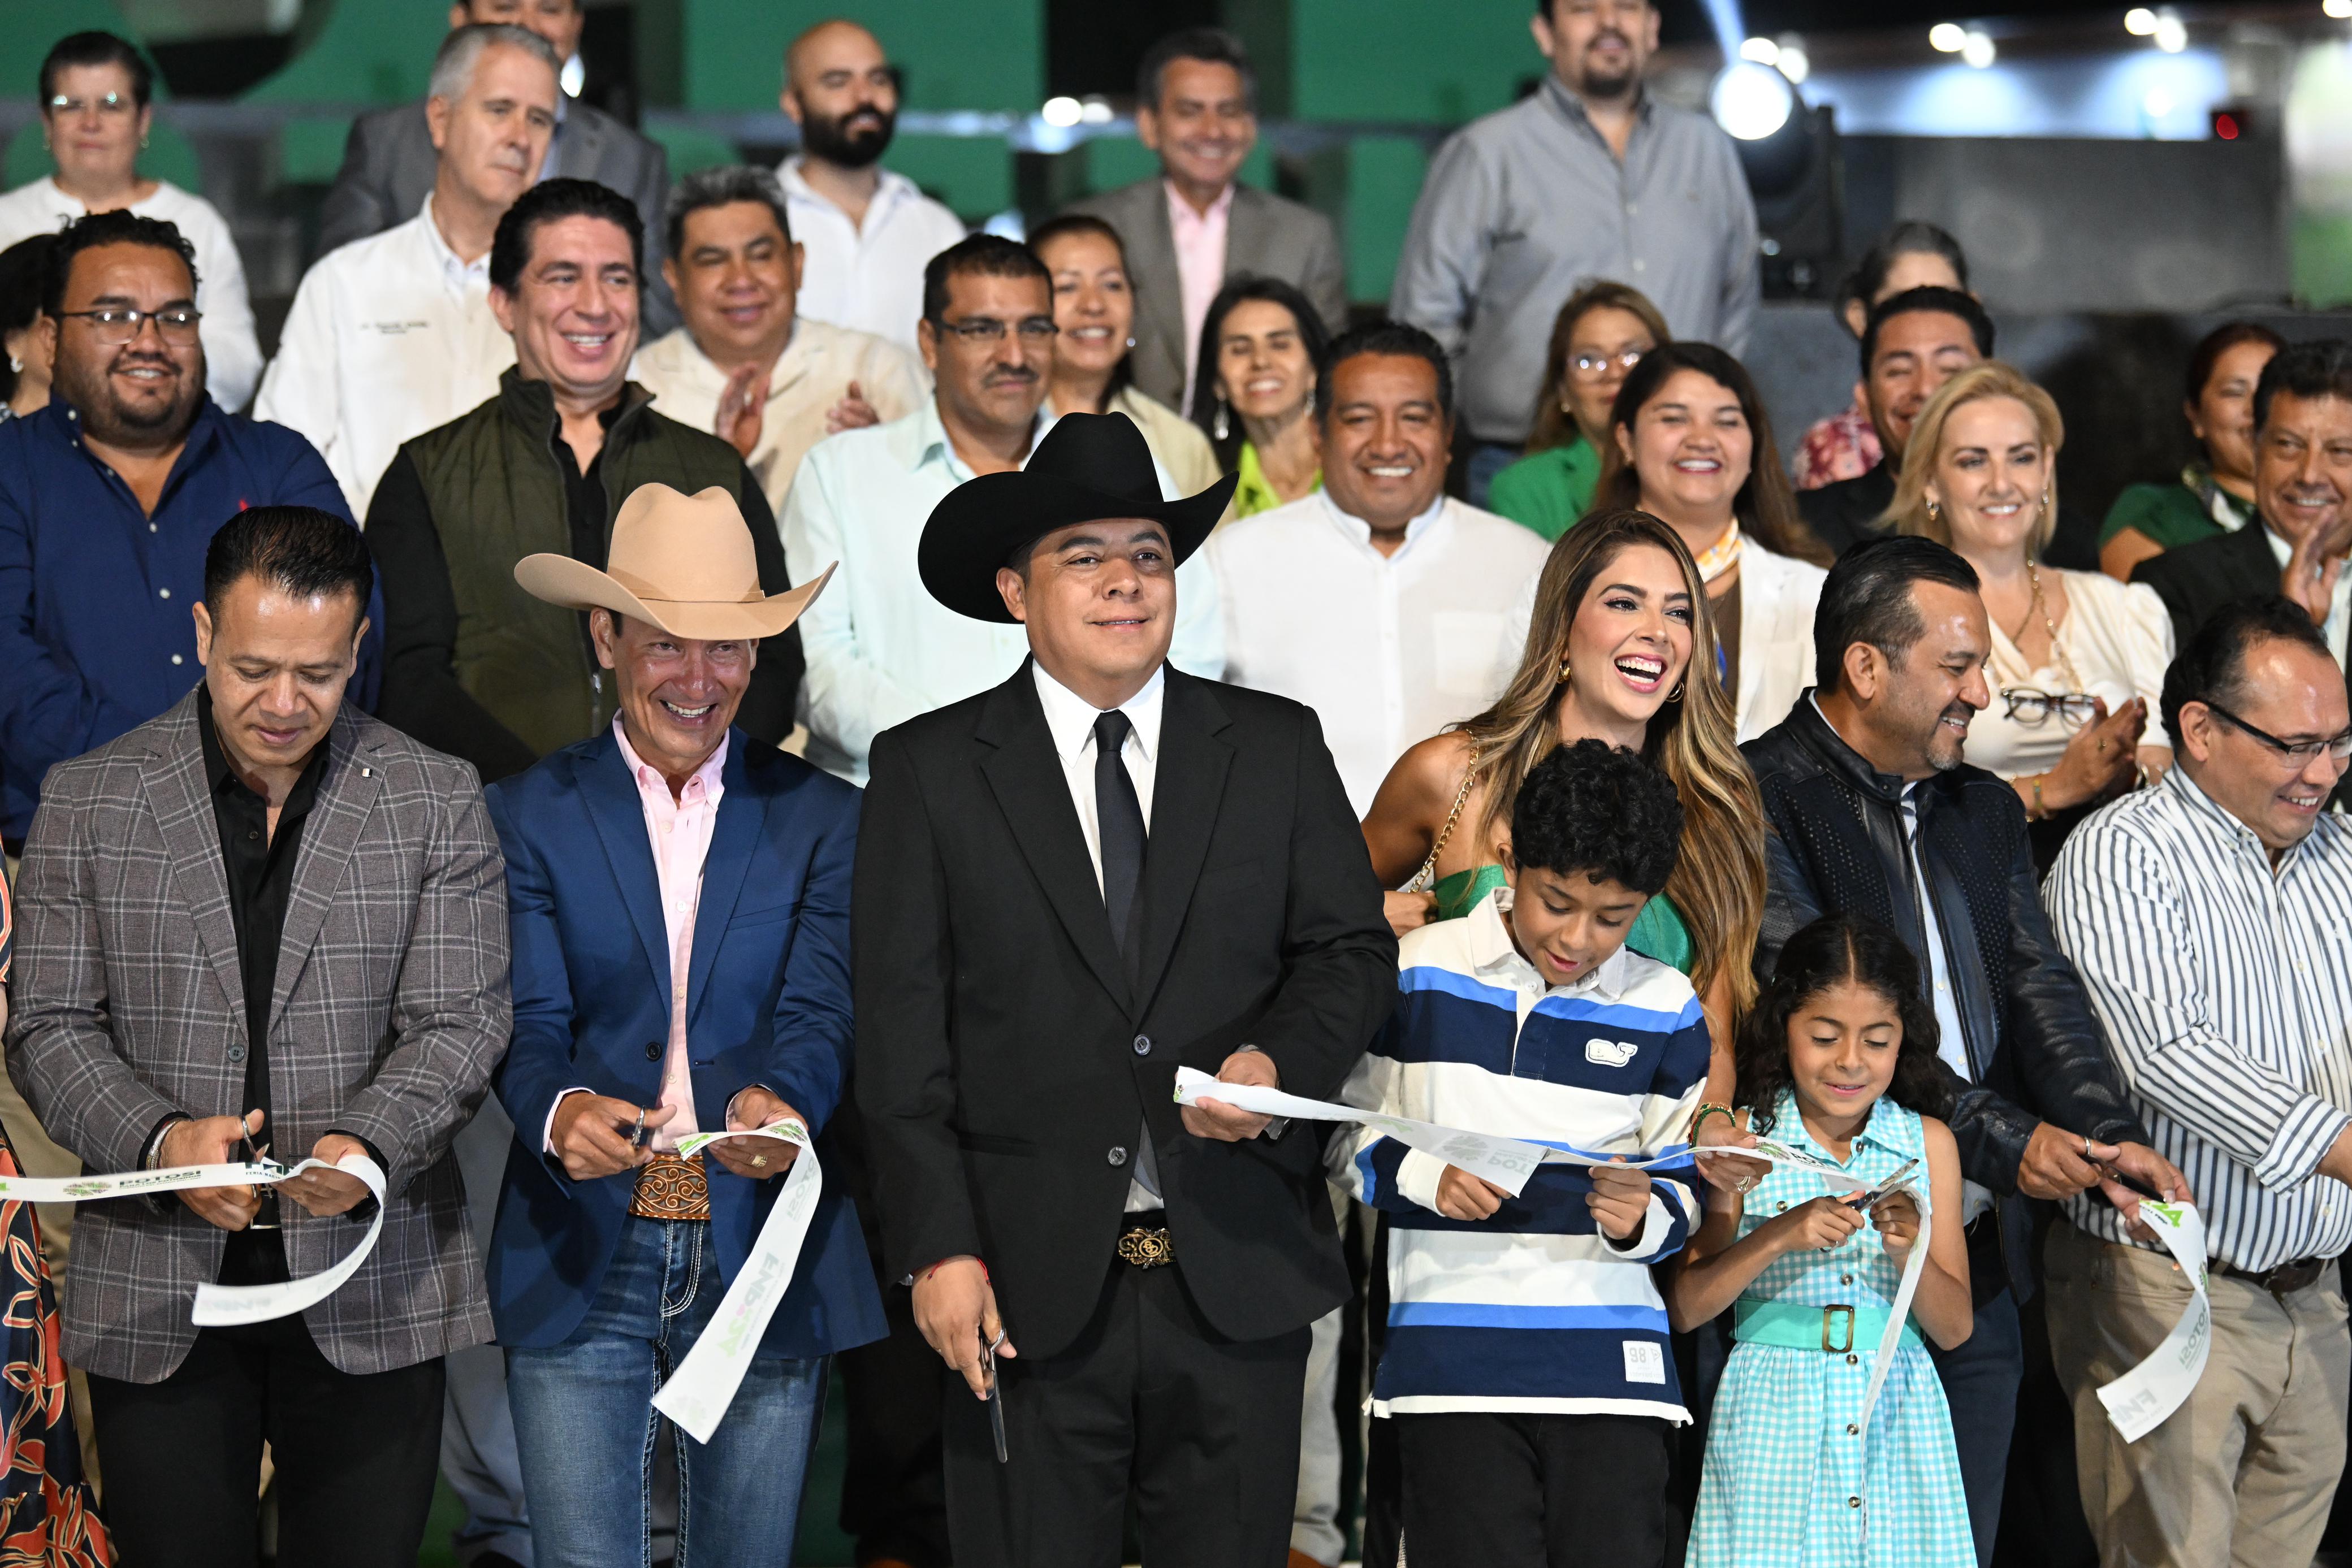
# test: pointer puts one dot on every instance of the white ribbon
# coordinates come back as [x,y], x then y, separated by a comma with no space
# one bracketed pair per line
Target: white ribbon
[2140,1401]
[698,1392]
[223,1306]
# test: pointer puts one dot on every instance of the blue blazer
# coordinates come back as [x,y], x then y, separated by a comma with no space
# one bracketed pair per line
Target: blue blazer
[767,1002]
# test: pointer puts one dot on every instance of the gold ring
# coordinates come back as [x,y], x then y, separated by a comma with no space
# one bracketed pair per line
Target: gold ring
[759,1162]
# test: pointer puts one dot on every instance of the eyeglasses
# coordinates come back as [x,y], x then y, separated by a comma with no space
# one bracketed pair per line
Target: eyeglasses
[2299,752]
[989,329]
[2027,705]
[1593,367]
[115,327]
[113,103]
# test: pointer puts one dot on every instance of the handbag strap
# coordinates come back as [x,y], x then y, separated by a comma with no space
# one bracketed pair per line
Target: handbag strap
[1421,879]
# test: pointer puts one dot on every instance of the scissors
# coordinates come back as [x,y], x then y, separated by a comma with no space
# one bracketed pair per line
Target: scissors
[637,1132]
[995,1400]
[1898,1178]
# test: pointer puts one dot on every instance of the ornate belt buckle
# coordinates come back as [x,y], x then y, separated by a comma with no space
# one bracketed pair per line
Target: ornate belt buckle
[1145,1248]
[1830,1327]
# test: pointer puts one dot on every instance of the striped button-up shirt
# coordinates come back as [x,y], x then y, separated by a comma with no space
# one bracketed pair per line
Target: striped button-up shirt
[2225,985]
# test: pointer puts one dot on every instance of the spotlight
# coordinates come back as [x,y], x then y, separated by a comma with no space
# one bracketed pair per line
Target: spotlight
[2339,9]
[1797,65]
[2171,33]
[1979,50]
[1763,51]
[1063,111]
[1947,38]
[2157,104]
[1752,101]
[2140,21]
[1097,110]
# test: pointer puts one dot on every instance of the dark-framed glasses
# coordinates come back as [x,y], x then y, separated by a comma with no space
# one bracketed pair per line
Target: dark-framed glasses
[2028,706]
[1593,367]
[110,104]
[989,329]
[2298,752]
[117,325]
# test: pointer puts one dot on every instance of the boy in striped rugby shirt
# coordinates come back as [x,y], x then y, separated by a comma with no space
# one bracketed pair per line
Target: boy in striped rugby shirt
[1526,1364]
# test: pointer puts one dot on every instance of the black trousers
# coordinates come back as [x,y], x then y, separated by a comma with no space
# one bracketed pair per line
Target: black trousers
[1149,1403]
[356,1455]
[1489,1489]
[893,1500]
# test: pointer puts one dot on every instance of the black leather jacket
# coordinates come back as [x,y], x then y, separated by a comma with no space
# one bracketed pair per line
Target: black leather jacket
[2036,1052]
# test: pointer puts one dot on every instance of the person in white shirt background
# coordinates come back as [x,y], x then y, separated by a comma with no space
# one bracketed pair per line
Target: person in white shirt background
[880,649]
[1412,591]
[866,233]
[96,114]
[393,335]
[747,366]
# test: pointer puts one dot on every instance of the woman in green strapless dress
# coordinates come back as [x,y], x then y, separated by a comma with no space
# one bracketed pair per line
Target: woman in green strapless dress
[1621,648]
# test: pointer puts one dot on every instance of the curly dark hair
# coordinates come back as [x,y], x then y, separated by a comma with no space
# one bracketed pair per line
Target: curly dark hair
[1832,950]
[1600,809]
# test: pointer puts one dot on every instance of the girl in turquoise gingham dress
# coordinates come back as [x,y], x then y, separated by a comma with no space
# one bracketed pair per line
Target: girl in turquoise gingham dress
[1837,1061]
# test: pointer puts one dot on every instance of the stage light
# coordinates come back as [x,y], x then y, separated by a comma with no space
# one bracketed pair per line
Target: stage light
[2157,104]
[2140,21]
[1062,112]
[1751,101]
[1763,51]
[1979,50]
[2171,33]
[1947,38]
[1797,65]
[2339,9]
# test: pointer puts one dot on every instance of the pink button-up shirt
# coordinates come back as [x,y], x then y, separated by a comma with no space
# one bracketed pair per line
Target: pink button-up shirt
[678,828]
[1200,267]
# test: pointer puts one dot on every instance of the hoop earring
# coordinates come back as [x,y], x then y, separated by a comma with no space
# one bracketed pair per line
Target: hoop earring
[1934,511]
[1676,695]
[1310,402]
[1563,672]
[1220,427]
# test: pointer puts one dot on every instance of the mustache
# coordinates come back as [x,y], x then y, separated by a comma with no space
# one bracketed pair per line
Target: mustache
[1023,374]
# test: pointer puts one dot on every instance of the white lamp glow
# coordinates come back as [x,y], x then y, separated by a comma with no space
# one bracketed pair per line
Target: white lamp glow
[1751,101]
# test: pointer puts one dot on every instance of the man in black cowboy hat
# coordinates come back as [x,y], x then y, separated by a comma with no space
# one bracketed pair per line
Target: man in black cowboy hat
[1067,887]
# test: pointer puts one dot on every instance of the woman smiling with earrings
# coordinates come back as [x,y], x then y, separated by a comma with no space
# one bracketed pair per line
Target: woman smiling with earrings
[1262,345]
[2077,659]
[1094,306]
[1694,448]
[1599,335]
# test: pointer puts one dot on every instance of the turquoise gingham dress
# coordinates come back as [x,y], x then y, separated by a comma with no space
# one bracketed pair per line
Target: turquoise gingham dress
[1781,1469]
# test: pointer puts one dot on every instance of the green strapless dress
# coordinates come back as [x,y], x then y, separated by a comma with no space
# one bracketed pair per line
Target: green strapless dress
[1658,931]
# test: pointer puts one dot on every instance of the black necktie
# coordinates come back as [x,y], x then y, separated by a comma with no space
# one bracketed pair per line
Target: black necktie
[1120,818]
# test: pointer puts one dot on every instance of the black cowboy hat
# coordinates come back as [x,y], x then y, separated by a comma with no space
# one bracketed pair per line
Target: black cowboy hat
[1089,466]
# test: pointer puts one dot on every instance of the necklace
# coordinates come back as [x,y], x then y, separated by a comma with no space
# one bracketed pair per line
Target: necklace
[2041,606]
[1721,556]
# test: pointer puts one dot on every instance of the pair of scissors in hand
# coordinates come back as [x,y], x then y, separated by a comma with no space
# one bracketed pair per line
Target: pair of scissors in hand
[995,1399]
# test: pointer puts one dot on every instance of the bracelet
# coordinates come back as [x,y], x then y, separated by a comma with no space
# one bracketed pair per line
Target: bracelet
[1707,1109]
[2040,813]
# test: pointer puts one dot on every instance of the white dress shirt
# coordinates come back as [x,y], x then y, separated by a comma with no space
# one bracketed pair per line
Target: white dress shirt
[1387,649]
[868,276]
[390,337]
[232,353]
[809,377]
[880,649]
[2225,985]
[1070,719]
[1951,1044]
[2116,639]
[2339,608]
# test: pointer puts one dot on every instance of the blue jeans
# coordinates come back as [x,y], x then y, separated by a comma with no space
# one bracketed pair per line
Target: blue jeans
[1981,1381]
[585,1423]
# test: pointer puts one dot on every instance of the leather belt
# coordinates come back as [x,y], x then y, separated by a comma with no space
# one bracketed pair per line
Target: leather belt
[1144,1241]
[2284,1280]
[672,1187]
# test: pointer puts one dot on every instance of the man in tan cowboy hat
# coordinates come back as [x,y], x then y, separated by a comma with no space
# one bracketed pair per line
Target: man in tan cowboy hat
[681,905]
[1067,887]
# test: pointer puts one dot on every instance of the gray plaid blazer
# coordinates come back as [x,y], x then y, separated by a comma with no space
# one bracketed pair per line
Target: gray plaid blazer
[391,1010]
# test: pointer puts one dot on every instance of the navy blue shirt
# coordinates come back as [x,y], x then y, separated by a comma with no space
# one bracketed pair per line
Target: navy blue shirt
[95,634]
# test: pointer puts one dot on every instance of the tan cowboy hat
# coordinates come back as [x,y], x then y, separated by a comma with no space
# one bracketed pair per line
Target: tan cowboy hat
[683,563]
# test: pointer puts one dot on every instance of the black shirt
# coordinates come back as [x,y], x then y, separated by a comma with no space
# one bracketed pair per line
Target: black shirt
[261,867]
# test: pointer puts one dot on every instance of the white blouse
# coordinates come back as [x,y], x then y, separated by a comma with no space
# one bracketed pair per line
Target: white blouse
[2119,638]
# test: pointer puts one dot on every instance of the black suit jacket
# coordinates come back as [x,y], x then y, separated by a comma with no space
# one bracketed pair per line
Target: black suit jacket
[388,167]
[1005,1055]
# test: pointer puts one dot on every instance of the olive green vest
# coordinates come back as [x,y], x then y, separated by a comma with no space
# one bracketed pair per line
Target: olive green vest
[496,494]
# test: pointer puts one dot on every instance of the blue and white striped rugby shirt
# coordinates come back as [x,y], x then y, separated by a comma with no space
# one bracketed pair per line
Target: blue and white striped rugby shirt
[1533,1309]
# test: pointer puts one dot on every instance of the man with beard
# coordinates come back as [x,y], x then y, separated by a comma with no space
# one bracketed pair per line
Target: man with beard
[1589,177]
[1874,812]
[1193,226]
[866,233]
[108,496]
[389,165]
[880,649]
[2303,482]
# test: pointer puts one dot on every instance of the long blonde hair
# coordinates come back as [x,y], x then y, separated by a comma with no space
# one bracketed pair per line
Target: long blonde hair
[1978,383]
[1717,883]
